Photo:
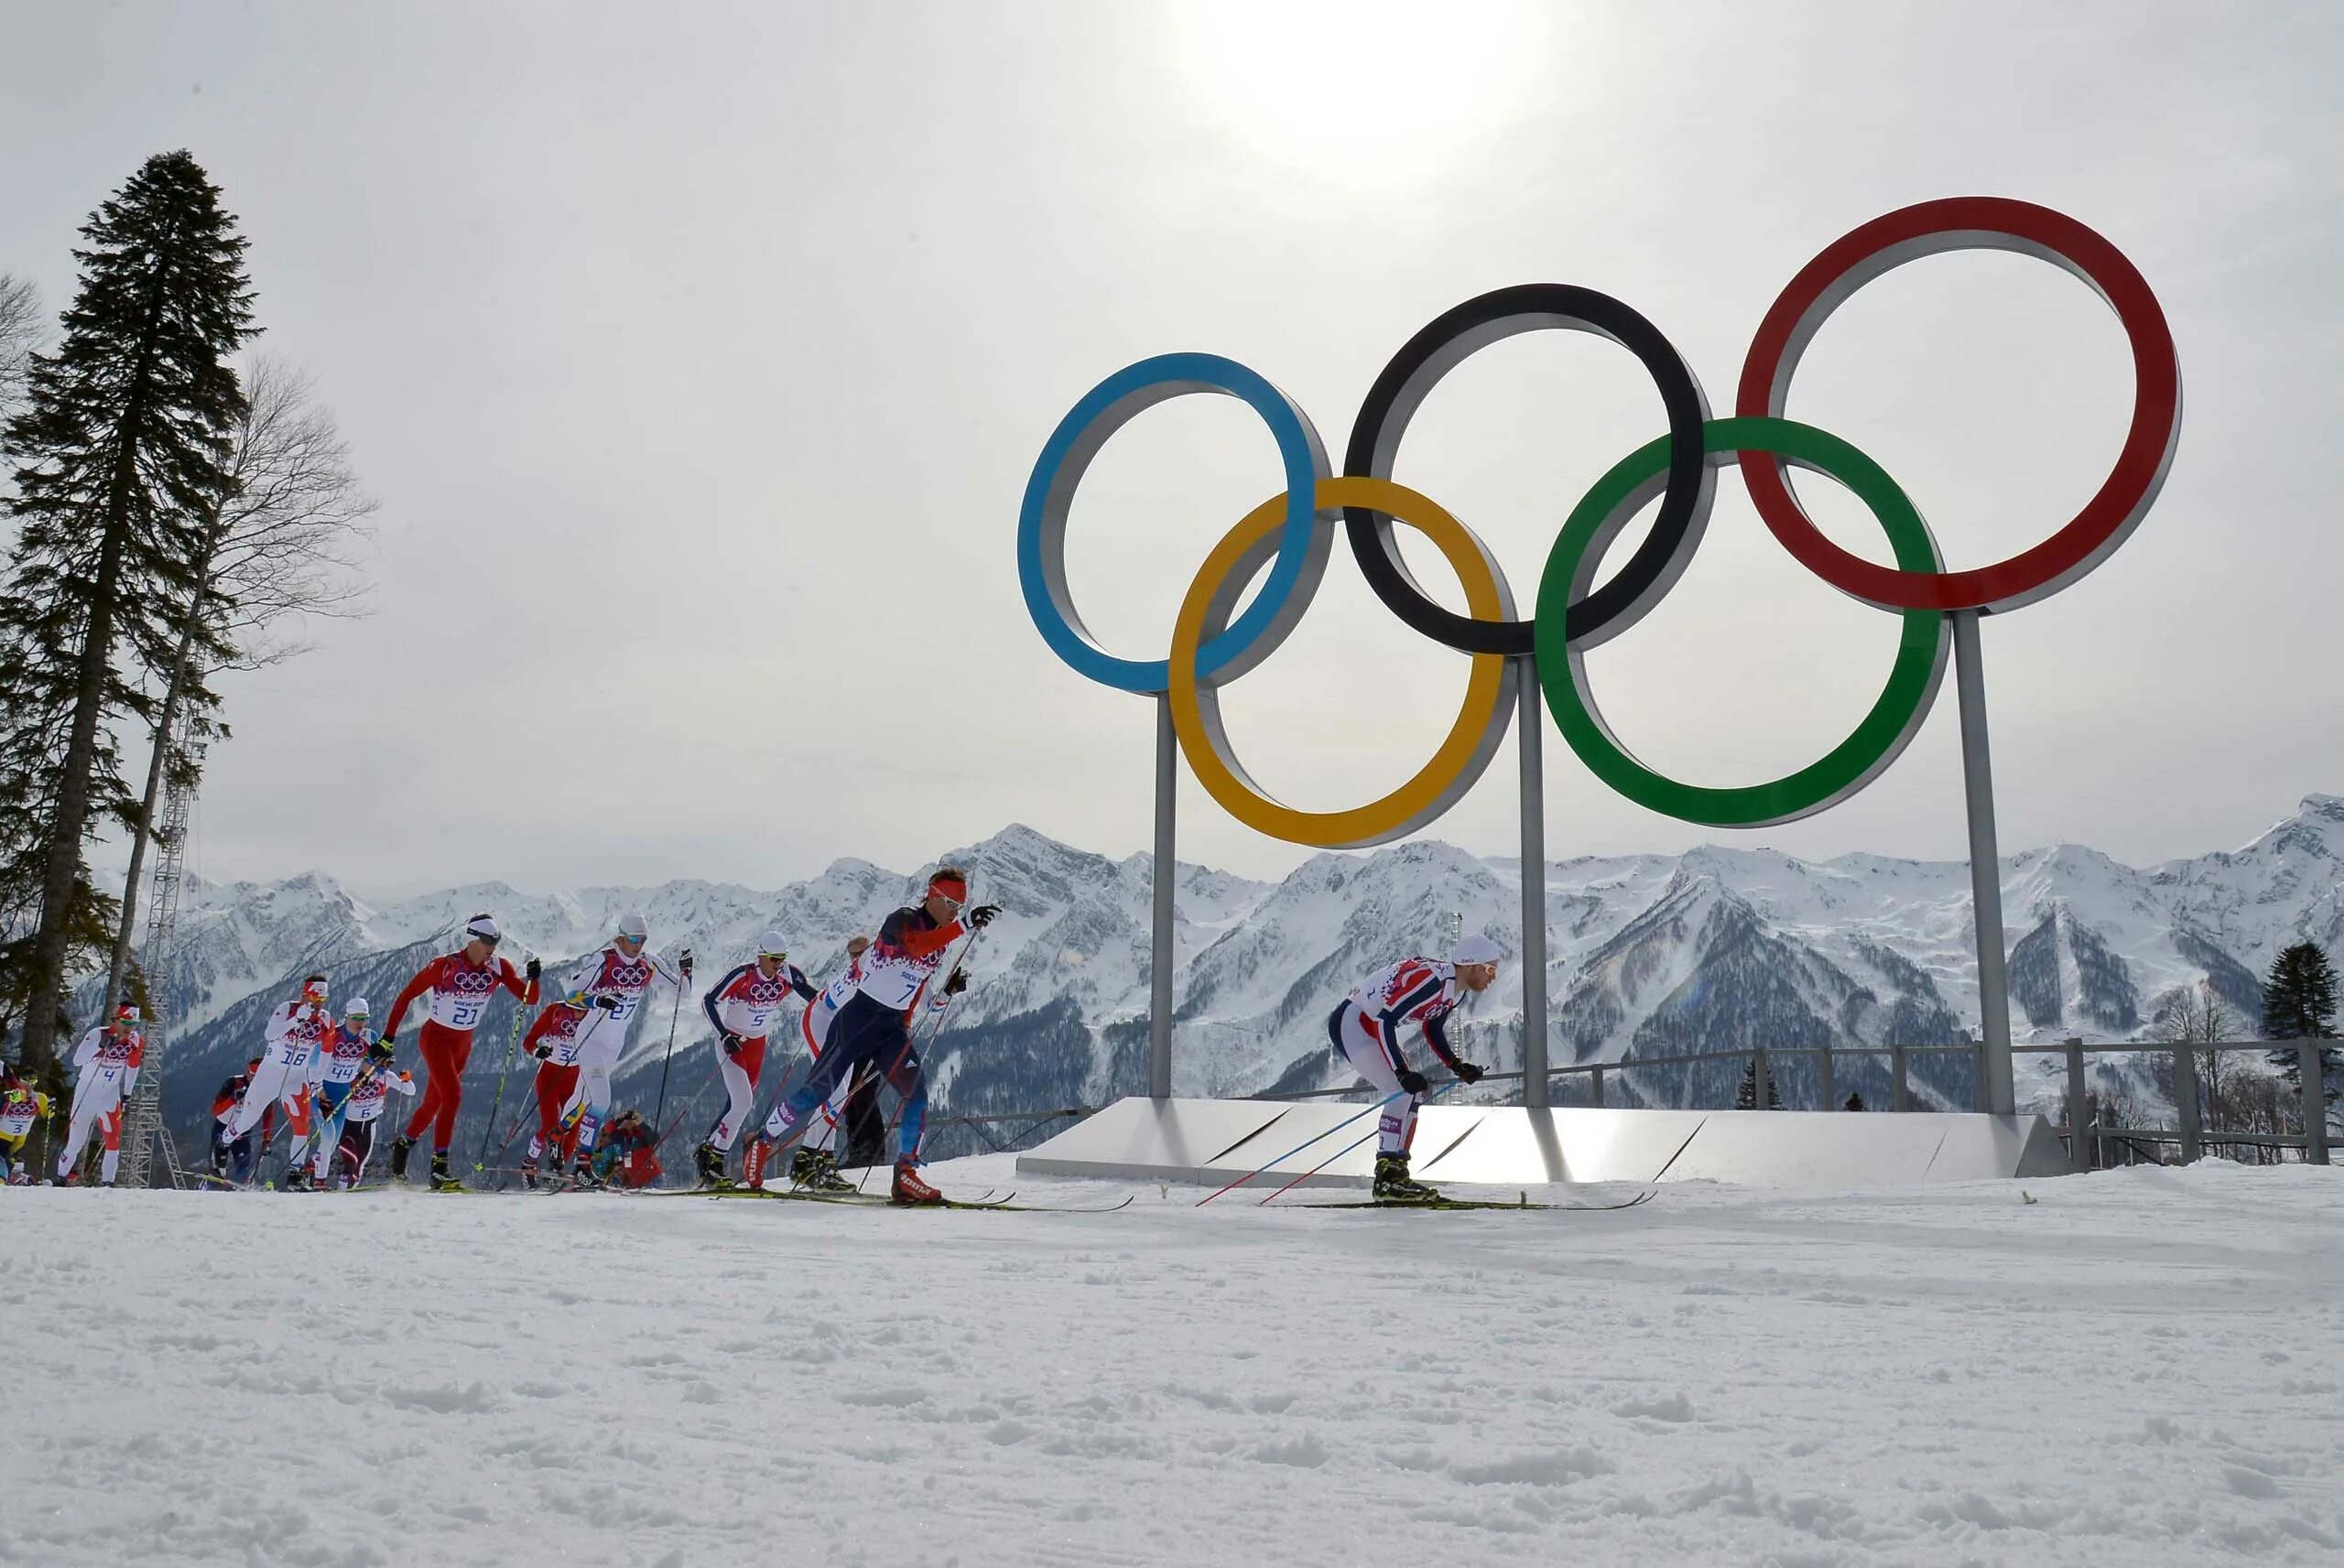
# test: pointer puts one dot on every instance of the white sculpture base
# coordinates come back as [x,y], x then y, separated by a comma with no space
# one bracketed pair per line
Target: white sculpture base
[1214,1141]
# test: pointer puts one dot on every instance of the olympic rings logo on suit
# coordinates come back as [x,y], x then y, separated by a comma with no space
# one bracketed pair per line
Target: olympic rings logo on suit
[1292,532]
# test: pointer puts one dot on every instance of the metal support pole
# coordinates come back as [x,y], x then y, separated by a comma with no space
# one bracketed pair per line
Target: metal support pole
[1597,1078]
[2079,1152]
[1900,1097]
[2307,1070]
[1997,1085]
[2185,1100]
[1827,1081]
[1529,735]
[1159,988]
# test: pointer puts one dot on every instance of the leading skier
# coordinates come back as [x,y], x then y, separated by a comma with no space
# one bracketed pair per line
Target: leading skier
[1365,1029]
[460,985]
[873,1028]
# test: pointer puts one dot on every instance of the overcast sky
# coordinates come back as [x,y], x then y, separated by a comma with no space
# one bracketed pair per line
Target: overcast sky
[698,354]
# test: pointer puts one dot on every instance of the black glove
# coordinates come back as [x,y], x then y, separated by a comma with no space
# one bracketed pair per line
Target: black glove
[532,969]
[385,1044]
[606,1001]
[1467,1072]
[542,1052]
[684,963]
[731,1042]
[957,981]
[980,917]
[1413,1081]
[379,1052]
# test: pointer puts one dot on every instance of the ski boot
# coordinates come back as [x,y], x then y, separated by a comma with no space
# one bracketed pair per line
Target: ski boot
[294,1179]
[400,1149]
[707,1165]
[442,1179]
[817,1169]
[752,1162]
[583,1177]
[910,1190]
[1394,1184]
[530,1179]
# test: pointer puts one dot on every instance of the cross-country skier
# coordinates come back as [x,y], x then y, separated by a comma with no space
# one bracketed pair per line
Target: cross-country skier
[1365,1029]
[553,1041]
[814,1163]
[290,1045]
[109,1058]
[460,985]
[742,1007]
[628,1157]
[873,1027]
[21,1105]
[613,979]
[341,1057]
[224,1104]
[361,1108]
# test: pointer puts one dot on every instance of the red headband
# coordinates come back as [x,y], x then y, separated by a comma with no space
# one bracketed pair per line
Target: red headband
[950,887]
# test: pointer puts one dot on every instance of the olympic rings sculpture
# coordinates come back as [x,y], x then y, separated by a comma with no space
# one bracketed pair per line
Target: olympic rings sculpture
[1292,532]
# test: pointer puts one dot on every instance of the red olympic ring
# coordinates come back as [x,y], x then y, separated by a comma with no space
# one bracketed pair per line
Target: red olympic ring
[1961,223]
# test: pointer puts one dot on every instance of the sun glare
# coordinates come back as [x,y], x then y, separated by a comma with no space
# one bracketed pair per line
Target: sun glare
[1363,92]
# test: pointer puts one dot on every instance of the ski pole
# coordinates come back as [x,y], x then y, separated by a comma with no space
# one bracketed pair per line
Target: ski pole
[496,1101]
[675,1016]
[1346,1148]
[1298,1148]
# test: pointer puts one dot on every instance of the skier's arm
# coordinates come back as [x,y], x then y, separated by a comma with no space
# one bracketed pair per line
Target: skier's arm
[1436,1036]
[713,1000]
[800,984]
[401,1083]
[416,987]
[918,941]
[510,978]
[280,1024]
[84,1052]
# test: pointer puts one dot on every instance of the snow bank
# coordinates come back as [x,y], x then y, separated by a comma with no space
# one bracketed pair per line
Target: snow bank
[2141,1366]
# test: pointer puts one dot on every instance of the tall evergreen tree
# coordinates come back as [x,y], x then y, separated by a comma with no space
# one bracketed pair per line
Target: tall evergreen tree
[119,456]
[2299,1003]
[1746,1097]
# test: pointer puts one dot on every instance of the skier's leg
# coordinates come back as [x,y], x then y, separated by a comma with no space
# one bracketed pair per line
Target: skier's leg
[110,1129]
[77,1133]
[740,1091]
[266,1085]
[457,1052]
[791,1110]
[906,1079]
[357,1145]
[1373,1061]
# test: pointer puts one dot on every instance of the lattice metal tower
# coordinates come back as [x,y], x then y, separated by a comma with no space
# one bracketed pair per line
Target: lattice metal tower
[142,1130]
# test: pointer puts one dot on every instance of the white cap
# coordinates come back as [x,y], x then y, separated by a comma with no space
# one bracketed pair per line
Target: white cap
[771,942]
[1475,948]
[633,927]
[483,926]
[354,1008]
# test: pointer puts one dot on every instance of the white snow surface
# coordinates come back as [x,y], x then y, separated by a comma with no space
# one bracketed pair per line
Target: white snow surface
[2140,1367]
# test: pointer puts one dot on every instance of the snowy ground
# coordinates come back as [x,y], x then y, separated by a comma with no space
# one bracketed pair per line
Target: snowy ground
[2142,1366]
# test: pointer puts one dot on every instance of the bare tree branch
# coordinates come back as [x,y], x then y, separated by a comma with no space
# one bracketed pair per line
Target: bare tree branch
[21,331]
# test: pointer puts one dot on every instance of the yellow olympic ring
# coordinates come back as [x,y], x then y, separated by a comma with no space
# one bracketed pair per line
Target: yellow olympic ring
[1472,738]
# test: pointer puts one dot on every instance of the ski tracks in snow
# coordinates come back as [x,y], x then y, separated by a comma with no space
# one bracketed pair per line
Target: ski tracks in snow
[2140,1366]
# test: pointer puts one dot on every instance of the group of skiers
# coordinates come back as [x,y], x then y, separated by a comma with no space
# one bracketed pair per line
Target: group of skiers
[332,1075]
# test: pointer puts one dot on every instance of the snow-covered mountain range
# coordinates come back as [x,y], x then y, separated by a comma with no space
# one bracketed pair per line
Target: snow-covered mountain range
[1715,949]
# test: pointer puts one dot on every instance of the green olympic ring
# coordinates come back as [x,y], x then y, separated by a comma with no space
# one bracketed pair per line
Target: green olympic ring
[1855,761]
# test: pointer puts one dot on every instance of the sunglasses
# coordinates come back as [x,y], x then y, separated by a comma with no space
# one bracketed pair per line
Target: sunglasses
[488,941]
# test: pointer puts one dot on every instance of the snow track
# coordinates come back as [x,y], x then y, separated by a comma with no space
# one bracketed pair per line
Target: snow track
[2141,1366]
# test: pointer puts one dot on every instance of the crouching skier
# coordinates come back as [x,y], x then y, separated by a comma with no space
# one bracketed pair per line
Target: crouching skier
[231,1154]
[109,1059]
[873,1028]
[21,1105]
[1365,1029]
[362,1108]
[553,1039]
[742,1007]
[341,1056]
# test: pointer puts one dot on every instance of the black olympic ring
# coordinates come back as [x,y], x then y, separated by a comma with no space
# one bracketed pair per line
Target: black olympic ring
[1446,343]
